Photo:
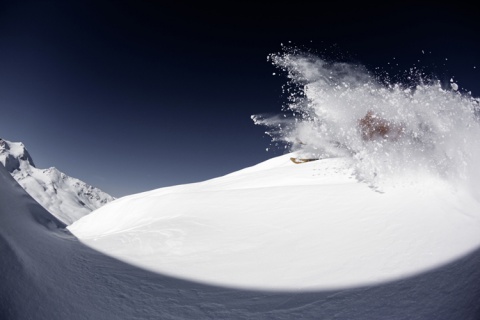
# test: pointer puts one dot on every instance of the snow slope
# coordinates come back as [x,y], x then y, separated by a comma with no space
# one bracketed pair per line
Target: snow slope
[65,197]
[47,274]
[282,226]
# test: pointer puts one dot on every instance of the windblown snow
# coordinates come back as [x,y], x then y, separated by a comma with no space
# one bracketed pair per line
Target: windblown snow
[65,197]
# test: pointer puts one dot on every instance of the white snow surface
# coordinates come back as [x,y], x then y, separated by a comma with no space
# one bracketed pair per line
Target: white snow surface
[285,226]
[65,197]
[46,273]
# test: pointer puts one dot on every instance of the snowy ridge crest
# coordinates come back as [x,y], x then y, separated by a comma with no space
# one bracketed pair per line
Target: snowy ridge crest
[13,154]
[65,197]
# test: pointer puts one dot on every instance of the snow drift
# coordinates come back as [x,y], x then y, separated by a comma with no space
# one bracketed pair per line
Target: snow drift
[284,226]
[65,197]
[47,274]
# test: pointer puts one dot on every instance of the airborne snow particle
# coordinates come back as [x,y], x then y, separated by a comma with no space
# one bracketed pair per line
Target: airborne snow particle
[318,88]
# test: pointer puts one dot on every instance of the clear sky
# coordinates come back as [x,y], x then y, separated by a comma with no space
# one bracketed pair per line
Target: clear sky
[134,95]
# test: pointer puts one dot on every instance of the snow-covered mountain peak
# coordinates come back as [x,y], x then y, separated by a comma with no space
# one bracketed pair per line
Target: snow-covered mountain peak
[65,197]
[14,156]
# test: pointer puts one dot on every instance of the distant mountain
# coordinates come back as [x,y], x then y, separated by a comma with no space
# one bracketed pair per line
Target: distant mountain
[65,197]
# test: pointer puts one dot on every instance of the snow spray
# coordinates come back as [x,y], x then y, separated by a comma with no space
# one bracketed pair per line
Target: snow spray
[388,129]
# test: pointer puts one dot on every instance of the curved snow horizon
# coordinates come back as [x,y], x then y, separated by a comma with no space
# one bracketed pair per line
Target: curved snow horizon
[283,226]
[48,274]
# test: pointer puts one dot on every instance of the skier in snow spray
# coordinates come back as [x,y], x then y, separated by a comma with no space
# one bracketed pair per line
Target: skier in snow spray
[388,129]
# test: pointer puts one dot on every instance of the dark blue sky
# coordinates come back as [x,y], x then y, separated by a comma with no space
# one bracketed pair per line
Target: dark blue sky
[134,95]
